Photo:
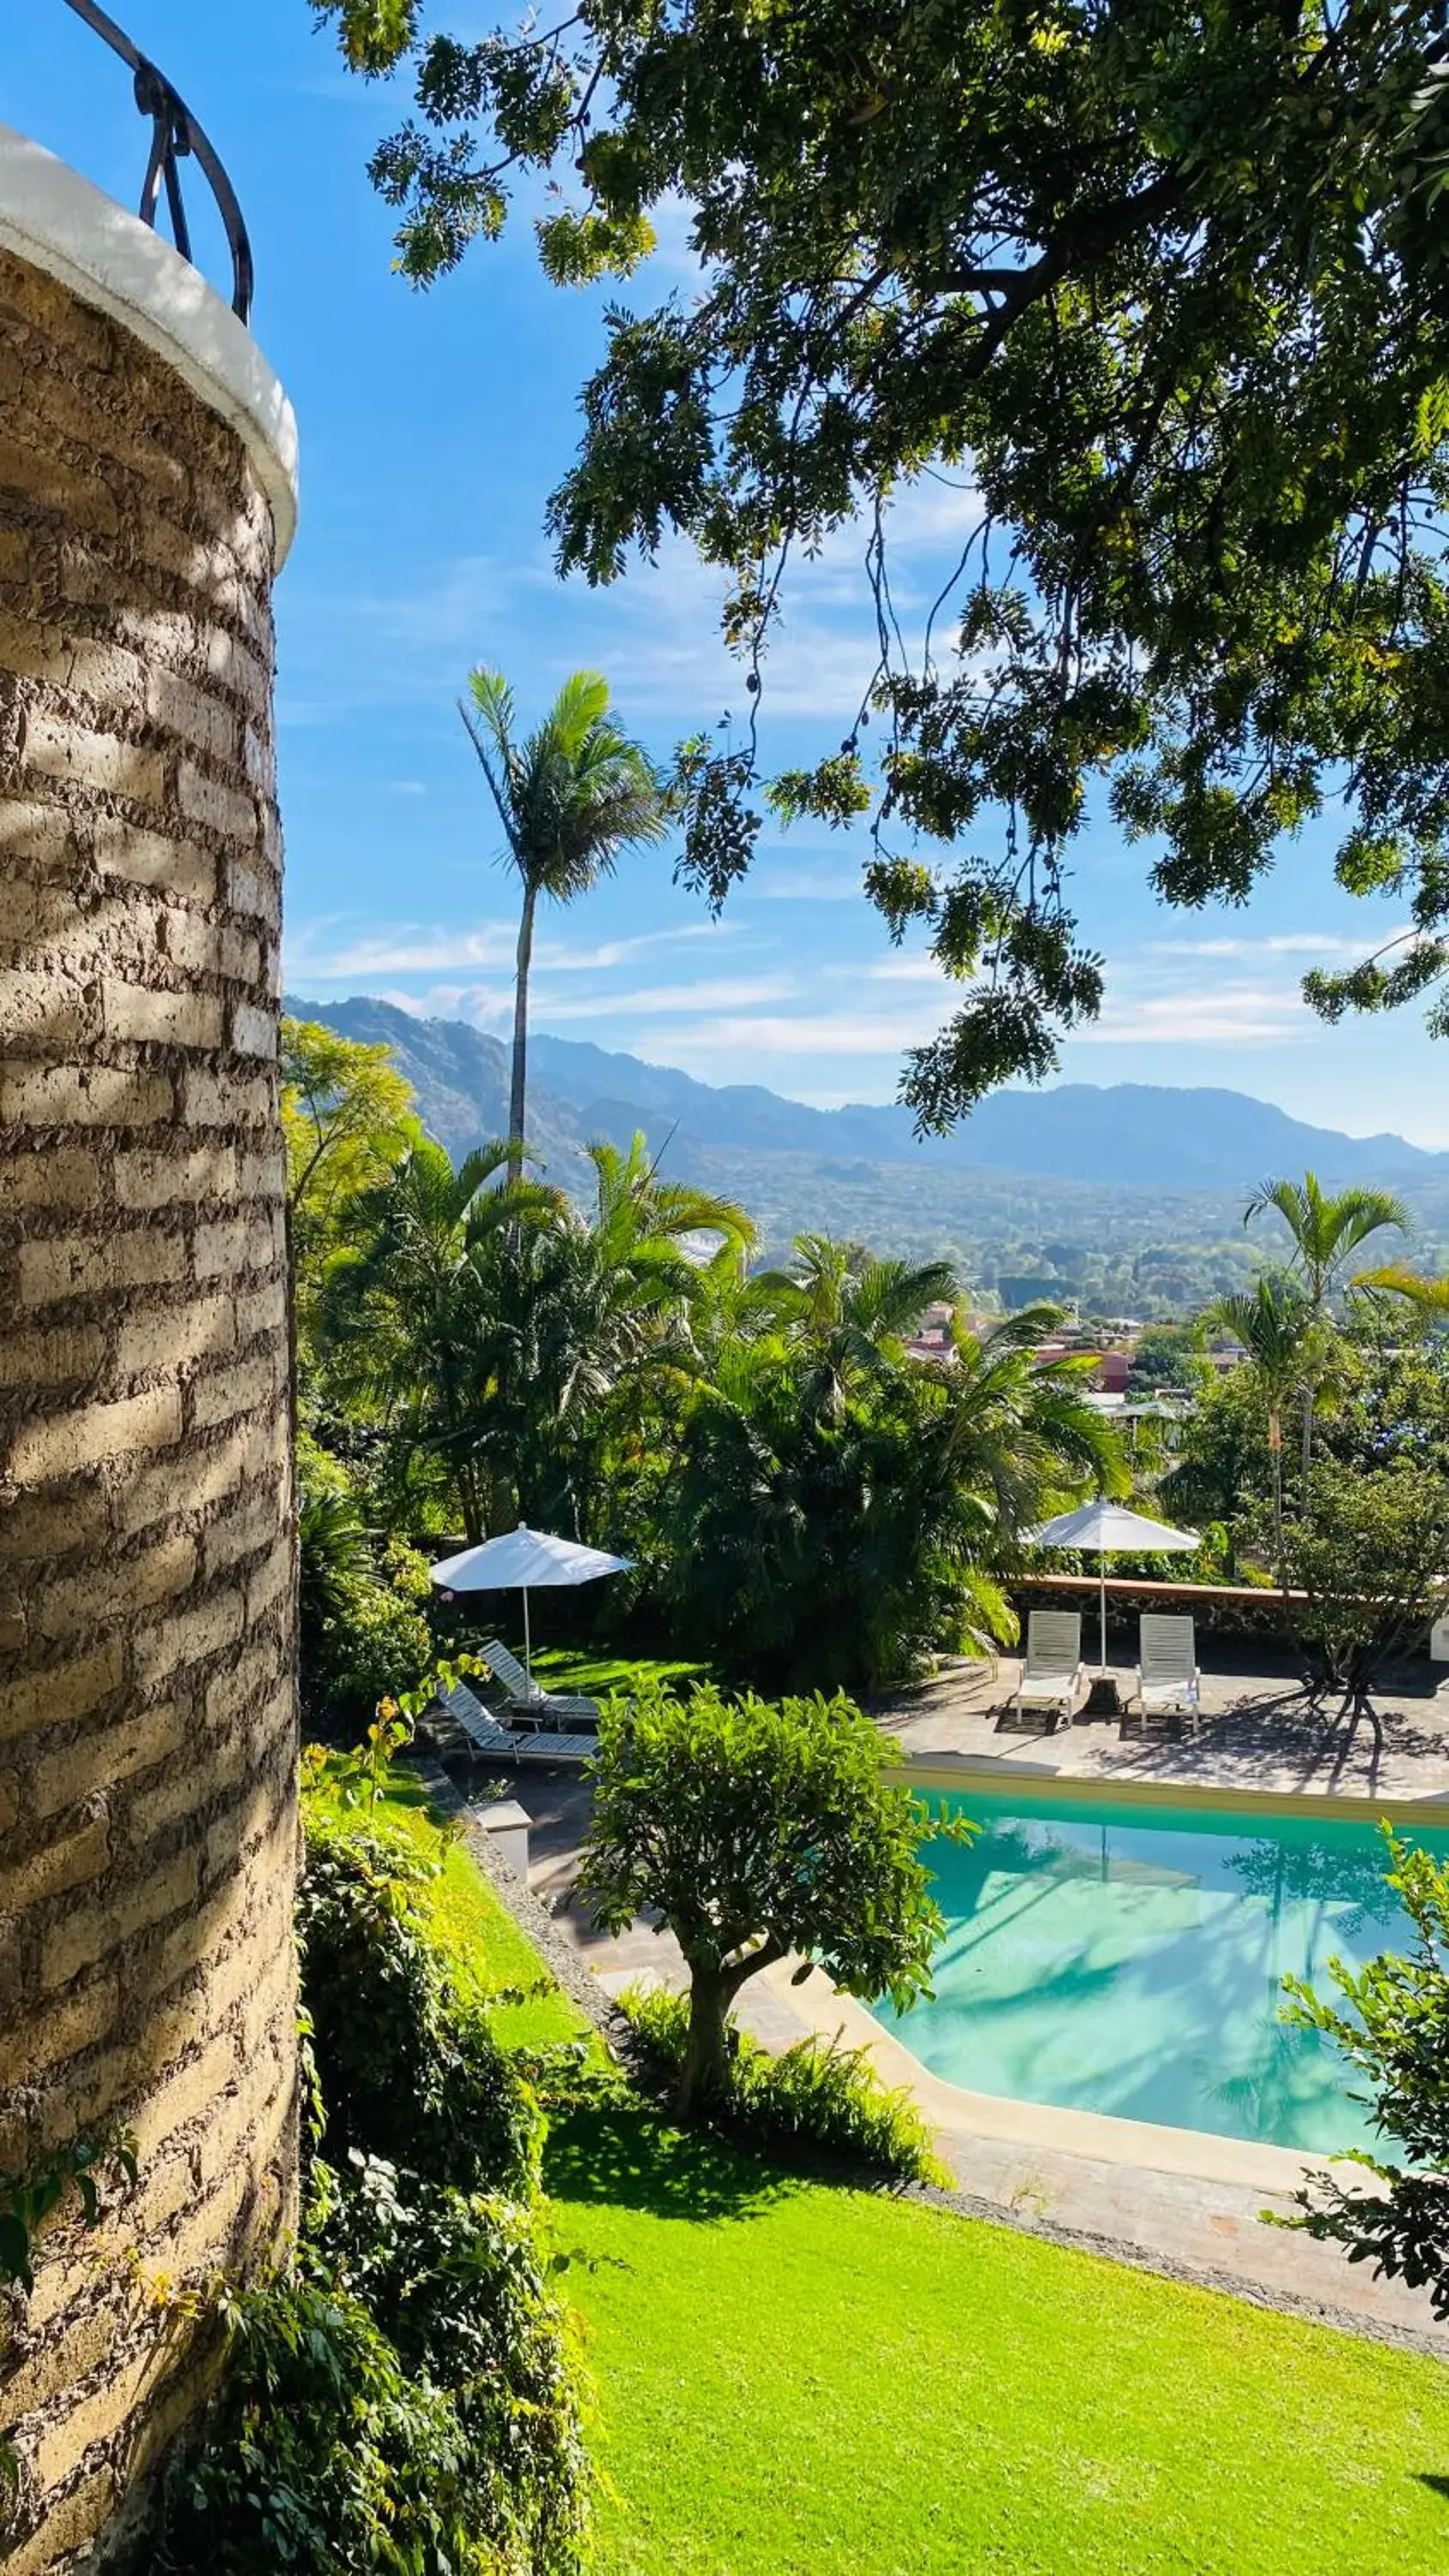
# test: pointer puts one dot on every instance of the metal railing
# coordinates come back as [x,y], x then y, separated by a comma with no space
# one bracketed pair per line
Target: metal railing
[176,136]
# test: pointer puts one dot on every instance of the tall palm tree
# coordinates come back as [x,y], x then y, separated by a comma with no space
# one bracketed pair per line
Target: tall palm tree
[570,796]
[1275,1323]
[1328,1227]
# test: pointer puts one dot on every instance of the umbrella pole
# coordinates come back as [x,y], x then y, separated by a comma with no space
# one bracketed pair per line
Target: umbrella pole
[1102,1573]
[527,1647]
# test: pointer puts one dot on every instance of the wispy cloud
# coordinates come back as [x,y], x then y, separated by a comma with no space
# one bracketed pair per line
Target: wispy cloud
[560,958]
[1287,943]
[1232,1015]
[330,951]
[825,884]
[404,951]
[720,993]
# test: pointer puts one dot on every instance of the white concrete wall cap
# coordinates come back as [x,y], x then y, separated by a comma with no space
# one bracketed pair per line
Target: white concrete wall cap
[60,223]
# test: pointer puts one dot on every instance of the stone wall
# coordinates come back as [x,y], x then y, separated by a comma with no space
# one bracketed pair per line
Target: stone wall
[147,1756]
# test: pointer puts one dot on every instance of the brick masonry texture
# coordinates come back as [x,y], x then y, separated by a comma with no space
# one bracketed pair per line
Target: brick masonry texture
[148,1829]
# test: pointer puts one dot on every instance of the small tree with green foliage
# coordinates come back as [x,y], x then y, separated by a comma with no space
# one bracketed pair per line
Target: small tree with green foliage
[1369,1556]
[1395,2032]
[755,1829]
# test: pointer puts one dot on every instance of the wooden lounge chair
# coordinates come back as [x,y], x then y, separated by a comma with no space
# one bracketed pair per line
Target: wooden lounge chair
[527,1695]
[1168,1680]
[496,1743]
[1052,1668]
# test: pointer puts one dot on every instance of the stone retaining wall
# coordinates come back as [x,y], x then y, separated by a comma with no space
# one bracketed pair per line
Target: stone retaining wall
[147,1726]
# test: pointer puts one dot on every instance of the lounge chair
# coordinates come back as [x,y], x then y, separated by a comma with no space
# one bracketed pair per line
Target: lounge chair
[522,1692]
[1052,1669]
[1168,1680]
[510,1744]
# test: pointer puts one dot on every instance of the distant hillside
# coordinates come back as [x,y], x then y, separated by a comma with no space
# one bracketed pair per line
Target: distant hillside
[461,1079]
[1130,1199]
[1132,1133]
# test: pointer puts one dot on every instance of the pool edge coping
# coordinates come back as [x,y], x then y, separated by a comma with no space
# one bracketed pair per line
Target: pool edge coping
[983,1772]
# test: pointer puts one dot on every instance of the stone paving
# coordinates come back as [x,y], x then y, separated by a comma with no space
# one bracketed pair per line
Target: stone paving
[1257,1733]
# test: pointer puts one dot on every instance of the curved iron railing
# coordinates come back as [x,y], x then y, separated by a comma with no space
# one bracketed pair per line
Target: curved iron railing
[175,136]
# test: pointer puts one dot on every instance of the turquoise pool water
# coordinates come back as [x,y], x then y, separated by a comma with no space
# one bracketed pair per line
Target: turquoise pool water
[1129,1959]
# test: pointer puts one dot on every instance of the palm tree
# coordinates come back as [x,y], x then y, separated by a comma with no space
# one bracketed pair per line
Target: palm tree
[1328,1228]
[850,1313]
[407,1309]
[571,796]
[1023,1435]
[1274,1323]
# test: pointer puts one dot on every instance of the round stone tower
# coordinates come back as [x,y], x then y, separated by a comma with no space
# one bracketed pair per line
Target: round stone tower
[148,1822]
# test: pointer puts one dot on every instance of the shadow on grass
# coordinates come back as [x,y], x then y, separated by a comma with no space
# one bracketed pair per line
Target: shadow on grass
[633,2159]
[1433,2478]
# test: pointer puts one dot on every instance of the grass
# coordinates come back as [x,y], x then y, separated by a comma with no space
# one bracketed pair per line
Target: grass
[486,1950]
[800,2380]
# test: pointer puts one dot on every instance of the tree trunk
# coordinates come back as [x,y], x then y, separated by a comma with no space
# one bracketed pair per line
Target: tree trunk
[518,1101]
[1307,1442]
[704,2075]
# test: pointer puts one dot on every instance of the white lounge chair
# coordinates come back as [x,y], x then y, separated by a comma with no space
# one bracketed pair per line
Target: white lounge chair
[522,1692]
[510,1744]
[1168,1680]
[1052,1668]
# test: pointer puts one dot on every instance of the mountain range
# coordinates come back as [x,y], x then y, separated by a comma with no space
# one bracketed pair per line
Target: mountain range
[1127,1136]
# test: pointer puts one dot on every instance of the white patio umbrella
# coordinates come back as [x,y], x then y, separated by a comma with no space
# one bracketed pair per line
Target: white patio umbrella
[524,1560]
[1108,1529]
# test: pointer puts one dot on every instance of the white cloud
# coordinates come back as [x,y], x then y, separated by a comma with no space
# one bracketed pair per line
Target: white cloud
[1289,943]
[719,994]
[404,951]
[805,885]
[561,959]
[1231,1016]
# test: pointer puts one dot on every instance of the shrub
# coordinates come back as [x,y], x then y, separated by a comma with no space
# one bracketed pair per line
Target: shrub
[818,2097]
[405,2403]
[1393,2028]
[406,2070]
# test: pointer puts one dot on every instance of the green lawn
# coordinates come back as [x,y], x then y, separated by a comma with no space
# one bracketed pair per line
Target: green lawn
[799,2380]
[487,1951]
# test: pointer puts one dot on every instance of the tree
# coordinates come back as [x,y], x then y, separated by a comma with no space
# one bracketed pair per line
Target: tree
[757,1830]
[1274,1325]
[347,1117]
[1327,1228]
[852,1313]
[1370,1555]
[839,1526]
[1395,2032]
[571,796]
[1161,292]
[408,1323]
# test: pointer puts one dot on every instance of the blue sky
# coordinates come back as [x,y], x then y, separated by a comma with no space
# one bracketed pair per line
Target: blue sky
[432,430]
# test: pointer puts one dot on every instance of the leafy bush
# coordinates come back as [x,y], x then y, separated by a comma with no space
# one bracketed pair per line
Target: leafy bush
[407,2071]
[404,2404]
[364,1631]
[817,2097]
[1393,2029]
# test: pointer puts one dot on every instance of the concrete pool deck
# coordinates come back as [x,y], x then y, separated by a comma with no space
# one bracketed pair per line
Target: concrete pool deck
[1179,2200]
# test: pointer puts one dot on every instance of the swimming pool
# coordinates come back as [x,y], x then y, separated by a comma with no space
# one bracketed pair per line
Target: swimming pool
[1128,1958]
